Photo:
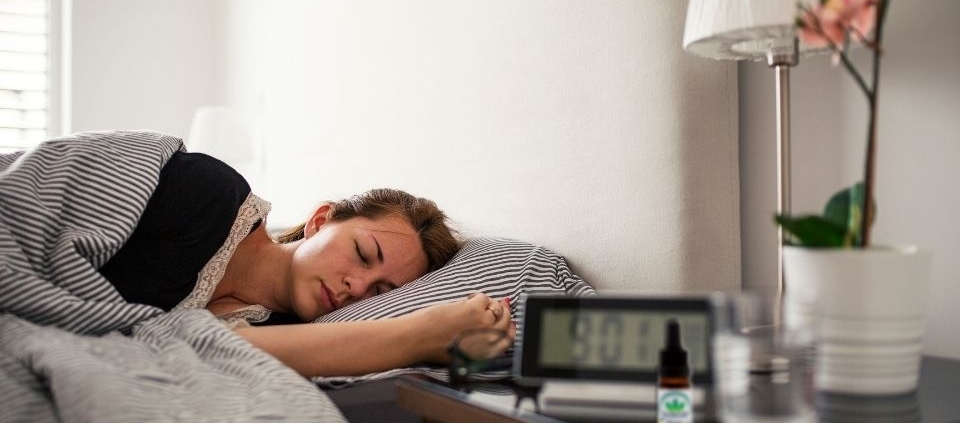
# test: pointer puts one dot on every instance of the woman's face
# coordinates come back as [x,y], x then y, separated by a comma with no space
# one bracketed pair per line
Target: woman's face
[340,263]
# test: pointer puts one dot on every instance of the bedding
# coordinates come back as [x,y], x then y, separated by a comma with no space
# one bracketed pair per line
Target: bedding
[65,208]
[181,366]
[497,267]
[72,349]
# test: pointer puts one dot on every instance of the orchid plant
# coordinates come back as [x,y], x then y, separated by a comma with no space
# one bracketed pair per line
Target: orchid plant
[836,24]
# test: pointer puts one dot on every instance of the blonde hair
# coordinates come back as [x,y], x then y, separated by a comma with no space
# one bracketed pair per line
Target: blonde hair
[439,241]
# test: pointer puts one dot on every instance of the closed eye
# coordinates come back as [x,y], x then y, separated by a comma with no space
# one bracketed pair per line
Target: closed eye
[359,253]
[384,287]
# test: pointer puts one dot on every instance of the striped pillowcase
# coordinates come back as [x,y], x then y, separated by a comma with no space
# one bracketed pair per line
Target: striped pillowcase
[497,267]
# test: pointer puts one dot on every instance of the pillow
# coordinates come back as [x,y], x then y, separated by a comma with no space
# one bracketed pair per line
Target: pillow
[497,267]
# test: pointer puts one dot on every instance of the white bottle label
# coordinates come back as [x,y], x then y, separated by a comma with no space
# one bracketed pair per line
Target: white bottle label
[675,405]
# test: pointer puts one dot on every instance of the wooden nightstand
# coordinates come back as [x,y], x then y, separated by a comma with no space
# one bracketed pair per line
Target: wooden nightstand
[436,403]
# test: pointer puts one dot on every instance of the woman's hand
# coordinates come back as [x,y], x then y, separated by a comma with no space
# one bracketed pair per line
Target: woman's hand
[440,324]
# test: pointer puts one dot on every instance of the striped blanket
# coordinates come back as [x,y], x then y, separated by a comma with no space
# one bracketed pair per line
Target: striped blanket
[70,348]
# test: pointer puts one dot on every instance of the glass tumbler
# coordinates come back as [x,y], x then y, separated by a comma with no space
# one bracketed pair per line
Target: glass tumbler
[765,370]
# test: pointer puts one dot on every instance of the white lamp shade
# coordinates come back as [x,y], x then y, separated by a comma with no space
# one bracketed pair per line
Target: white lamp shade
[740,29]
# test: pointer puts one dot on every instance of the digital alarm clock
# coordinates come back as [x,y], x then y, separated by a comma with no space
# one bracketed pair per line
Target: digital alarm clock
[613,338]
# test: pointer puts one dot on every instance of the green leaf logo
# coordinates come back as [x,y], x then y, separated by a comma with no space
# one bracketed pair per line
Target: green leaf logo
[675,406]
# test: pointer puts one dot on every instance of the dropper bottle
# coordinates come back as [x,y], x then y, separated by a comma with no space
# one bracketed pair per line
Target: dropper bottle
[674,384]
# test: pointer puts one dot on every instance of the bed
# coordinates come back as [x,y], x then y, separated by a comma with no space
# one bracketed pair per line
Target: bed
[72,350]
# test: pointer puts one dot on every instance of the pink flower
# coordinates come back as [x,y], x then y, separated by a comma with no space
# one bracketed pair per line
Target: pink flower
[862,19]
[828,23]
[821,27]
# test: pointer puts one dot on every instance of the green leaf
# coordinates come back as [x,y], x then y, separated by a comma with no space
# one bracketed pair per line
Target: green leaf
[838,208]
[845,208]
[838,227]
[813,231]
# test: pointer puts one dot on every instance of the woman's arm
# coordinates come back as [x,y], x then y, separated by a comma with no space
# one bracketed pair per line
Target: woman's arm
[352,348]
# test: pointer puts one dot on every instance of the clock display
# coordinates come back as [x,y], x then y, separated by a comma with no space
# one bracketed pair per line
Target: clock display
[617,340]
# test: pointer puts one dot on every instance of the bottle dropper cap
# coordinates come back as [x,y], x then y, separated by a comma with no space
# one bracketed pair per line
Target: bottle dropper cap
[673,358]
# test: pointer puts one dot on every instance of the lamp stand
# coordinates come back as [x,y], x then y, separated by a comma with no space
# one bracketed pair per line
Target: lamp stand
[781,59]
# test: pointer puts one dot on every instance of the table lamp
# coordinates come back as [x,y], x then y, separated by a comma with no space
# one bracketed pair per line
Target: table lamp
[223,132]
[754,30]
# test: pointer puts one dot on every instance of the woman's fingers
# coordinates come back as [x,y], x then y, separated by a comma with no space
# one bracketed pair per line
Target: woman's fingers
[504,320]
[512,331]
[478,299]
[499,310]
[491,311]
[496,312]
[496,309]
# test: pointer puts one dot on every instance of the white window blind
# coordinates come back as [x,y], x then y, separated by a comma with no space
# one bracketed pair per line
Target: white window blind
[24,72]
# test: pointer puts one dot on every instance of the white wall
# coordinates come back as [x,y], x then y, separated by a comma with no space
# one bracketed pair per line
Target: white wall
[144,63]
[918,146]
[582,126]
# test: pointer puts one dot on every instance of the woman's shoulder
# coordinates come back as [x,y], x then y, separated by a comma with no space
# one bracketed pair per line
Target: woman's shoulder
[199,180]
[199,168]
[196,192]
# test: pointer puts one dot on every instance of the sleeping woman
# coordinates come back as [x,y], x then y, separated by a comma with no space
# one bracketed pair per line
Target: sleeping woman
[202,242]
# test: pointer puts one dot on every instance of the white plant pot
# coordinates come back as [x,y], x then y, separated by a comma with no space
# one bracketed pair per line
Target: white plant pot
[867,303]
